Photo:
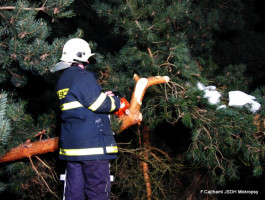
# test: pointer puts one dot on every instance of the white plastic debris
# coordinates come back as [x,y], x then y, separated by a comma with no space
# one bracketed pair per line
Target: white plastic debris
[221,106]
[200,86]
[210,87]
[240,99]
[213,96]
[210,93]
[236,98]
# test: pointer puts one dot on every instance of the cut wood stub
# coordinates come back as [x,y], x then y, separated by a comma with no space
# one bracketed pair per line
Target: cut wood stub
[135,116]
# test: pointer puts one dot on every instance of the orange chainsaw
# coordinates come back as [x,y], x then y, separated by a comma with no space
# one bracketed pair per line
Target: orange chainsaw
[124,108]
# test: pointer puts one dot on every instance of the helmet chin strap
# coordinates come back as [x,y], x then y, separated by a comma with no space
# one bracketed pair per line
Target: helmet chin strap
[82,65]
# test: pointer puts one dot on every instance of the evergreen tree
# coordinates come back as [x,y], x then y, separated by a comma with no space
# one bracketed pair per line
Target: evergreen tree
[176,38]
[191,140]
[17,178]
[24,38]
[4,127]
[27,50]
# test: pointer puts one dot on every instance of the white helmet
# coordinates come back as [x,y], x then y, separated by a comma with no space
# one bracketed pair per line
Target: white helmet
[76,50]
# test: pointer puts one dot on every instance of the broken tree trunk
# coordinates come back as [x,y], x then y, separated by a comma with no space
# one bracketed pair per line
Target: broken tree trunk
[29,149]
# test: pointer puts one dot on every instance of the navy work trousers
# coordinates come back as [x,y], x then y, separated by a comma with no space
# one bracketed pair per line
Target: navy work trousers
[87,180]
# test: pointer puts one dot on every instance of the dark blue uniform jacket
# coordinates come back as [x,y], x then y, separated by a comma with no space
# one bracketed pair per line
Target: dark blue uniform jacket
[85,128]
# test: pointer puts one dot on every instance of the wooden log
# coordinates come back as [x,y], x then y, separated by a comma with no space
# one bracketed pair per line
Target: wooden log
[29,149]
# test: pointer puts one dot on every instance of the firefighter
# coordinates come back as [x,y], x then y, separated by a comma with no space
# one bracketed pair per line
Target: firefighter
[86,140]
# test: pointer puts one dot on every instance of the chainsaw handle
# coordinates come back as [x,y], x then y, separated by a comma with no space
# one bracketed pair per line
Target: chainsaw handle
[116,93]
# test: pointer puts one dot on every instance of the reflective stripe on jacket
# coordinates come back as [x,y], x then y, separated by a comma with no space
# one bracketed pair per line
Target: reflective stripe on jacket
[85,128]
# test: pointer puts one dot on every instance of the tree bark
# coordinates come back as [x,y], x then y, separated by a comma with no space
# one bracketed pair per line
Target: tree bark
[140,88]
[27,150]
[145,166]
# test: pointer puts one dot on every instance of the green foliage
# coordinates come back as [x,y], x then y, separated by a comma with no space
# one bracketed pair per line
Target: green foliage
[233,78]
[223,139]
[176,38]
[2,187]
[27,49]
[22,123]
[4,122]
[189,41]
[163,171]
[18,177]
[24,38]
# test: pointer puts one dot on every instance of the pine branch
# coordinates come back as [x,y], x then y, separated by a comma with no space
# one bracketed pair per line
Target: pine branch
[42,8]
[4,122]
[29,149]
[14,7]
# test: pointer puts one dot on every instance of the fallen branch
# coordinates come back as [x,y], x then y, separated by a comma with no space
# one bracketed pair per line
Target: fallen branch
[29,149]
